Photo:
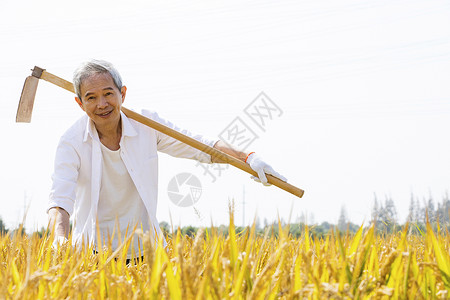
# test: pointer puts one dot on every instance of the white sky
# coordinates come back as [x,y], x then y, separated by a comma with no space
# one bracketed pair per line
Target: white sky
[363,85]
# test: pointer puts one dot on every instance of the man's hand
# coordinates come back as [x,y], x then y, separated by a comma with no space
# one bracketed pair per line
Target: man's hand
[262,168]
[59,241]
[255,162]
[59,220]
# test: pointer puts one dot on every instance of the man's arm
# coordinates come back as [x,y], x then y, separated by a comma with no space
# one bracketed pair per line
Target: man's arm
[230,150]
[58,219]
[253,160]
[63,192]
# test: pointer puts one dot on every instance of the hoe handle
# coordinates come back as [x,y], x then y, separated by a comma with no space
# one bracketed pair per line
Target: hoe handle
[223,157]
[179,136]
[58,81]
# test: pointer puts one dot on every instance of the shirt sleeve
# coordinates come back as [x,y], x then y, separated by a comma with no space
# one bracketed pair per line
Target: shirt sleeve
[176,148]
[65,175]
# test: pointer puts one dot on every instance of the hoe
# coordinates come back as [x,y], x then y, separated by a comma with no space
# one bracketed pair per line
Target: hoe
[26,108]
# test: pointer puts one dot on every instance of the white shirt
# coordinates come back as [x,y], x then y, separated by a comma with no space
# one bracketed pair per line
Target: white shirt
[120,208]
[78,163]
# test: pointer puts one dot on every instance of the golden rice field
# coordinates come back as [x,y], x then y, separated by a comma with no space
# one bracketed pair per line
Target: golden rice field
[239,266]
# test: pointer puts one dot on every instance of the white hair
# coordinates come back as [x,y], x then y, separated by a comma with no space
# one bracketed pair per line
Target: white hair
[92,67]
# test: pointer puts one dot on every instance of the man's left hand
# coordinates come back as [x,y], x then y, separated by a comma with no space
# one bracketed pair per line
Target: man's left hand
[262,168]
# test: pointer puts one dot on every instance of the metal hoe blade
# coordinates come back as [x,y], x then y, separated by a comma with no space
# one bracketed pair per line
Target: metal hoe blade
[26,102]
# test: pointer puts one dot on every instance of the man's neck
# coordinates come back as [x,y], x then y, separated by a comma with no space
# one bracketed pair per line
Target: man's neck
[110,137]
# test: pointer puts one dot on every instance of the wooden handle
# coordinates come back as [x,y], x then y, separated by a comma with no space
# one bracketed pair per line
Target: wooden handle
[58,81]
[210,150]
[185,139]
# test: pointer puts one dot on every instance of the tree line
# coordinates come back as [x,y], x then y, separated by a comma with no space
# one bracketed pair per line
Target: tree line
[383,214]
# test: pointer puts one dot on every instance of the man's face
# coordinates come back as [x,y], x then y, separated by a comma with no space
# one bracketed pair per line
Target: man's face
[101,100]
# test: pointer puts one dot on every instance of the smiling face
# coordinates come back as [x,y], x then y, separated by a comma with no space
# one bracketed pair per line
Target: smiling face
[102,100]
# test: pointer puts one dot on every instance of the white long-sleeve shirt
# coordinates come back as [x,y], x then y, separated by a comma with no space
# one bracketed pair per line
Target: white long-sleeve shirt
[78,161]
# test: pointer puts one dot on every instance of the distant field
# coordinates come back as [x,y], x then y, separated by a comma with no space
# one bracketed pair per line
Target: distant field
[244,266]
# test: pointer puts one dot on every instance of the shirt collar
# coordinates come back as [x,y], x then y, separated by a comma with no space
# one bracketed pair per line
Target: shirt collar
[127,128]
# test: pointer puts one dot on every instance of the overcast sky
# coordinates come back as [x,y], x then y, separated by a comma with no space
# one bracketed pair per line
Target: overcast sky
[362,89]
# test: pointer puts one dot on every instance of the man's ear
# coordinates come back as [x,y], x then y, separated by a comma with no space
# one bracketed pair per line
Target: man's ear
[79,103]
[123,91]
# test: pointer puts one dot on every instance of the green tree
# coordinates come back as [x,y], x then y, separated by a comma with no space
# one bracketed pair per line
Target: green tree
[3,228]
[189,230]
[389,215]
[165,228]
[375,209]
[411,211]
[343,220]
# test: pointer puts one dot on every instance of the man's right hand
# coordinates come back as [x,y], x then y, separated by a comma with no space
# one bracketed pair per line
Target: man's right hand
[59,241]
[59,221]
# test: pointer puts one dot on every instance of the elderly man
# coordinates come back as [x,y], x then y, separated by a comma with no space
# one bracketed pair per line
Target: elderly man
[106,165]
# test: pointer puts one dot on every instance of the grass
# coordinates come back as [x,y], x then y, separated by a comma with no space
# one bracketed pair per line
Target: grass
[236,266]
